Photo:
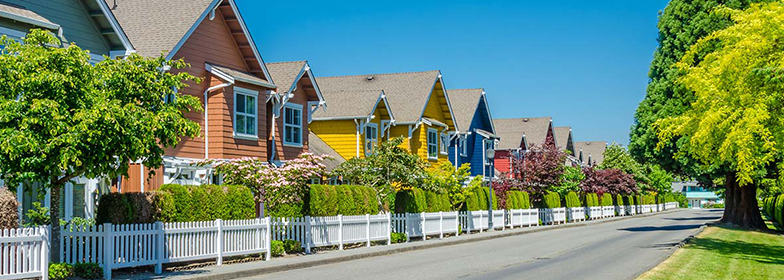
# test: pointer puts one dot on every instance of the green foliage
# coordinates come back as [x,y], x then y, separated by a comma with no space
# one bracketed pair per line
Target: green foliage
[779,210]
[517,200]
[571,178]
[591,200]
[572,200]
[398,237]
[60,271]
[606,200]
[37,216]
[292,246]
[181,200]
[277,248]
[88,270]
[552,200]
[444,178]
[477,200]
[417,201]
[331,200]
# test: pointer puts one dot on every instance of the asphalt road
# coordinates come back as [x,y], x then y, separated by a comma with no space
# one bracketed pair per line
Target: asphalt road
[616,250]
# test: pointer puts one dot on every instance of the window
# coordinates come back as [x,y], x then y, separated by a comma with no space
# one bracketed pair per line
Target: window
[245,114]
[371,138]
[315,181]
[444,144]
[463,142]
[432,143]
[292,125]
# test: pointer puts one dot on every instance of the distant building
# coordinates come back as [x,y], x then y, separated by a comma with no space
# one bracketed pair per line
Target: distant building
[696,195]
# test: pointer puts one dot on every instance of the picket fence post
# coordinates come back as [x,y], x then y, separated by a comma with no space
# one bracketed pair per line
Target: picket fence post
[308,234]
[389,228]
[481,225]
[440,224]
[108,251]
[340,231]
[219,224]
[46,234]
[367,228]
[159,241]
[268,240]
[424,232]
[457,224]
[408,227]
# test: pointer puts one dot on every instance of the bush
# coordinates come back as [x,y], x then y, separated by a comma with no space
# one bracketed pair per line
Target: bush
[329,200]
[477,200]
[591,200]
[277,248]
[88,270]
[606,199]
[60,271]
[9,211]
[618,200]
[398,237]
[292,246]
[181,201]
[572,200]
[779,210]
[552,200]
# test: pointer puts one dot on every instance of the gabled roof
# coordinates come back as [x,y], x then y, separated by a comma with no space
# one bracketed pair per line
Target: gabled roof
[593,149]
[287,74]
[230,74]
[562,135]
[511,131]
[465,103]
[319,147]
[347,104]
[156,27]
[22,14]
[408,92]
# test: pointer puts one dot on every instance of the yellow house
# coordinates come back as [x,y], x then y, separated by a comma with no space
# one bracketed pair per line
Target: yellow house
[422,113]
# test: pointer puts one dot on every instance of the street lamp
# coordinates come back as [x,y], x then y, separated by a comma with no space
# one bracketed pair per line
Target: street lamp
[490,155]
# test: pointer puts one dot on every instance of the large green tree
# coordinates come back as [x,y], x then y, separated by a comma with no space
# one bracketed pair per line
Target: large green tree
[737,119]
[62,117]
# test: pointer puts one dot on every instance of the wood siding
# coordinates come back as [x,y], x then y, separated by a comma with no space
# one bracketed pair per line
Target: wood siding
[339,135]
[302,95]
[131,183]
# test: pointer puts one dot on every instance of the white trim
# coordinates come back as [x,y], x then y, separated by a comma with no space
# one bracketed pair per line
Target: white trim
[231,79]
[427,141]
[255,115]
[462,141]
[443,146]
[374,140]
[116,27]
[30,21]
[250,41]
[299,143]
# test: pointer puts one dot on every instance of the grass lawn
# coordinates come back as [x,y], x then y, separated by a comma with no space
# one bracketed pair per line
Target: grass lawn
[725,253]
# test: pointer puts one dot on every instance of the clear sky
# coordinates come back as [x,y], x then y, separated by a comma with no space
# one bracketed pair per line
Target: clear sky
[584,63]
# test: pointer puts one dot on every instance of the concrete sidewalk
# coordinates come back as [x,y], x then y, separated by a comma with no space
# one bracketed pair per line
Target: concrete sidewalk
[240,270]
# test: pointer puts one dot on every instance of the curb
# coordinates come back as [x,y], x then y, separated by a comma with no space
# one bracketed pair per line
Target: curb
[307,264]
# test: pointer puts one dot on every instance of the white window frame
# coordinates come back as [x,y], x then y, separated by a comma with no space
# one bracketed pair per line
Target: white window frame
[255,95]
[434,145]
[298,142]
[373,141]
[444,143]
[463,143]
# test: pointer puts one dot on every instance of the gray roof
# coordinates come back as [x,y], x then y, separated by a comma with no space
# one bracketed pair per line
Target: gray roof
[407,93]
[562,135]
[594,149]
[157,26]
[319,147]
[347,104]
[512,131]
[464,103]
[285,73]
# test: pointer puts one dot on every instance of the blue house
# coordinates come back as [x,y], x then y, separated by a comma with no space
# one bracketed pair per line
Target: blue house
[475,131]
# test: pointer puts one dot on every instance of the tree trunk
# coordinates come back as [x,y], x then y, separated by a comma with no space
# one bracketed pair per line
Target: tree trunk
[54,222]
[740,205]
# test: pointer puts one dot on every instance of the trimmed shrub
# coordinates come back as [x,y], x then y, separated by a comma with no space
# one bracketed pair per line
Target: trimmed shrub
[60,271]
[329,200]
[292,246]
[779,209]
[345,200]
[618,200]
[181,199]
[9,211]
[88,270]
[398,237]
[572,200]
[552,200]
[200,206]
[127,208]
[591,200]
[277,248]
[606,200]
[517,200]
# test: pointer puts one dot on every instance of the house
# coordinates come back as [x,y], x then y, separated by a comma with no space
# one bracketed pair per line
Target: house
[212,37]
[476,131]
[590,153]
[697,196]
[519,135]
[563,136]
[296,99]
[90,25]
[422,112]
[354,123]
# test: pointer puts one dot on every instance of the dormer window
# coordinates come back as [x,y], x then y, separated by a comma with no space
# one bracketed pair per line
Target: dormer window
[292,125]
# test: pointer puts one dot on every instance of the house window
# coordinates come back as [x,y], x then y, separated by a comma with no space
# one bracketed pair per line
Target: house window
[432,143]
[463,143]
[371,137]
[292,125]
[315,181]
[444,144]
[245,115]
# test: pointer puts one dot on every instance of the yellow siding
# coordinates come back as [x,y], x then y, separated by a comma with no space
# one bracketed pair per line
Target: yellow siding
[340,135]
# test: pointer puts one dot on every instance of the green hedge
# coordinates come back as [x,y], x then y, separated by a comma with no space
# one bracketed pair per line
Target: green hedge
[552,200]
[417,201]
[477,200]
[517,200]
[618,200]
[779,209]
[591,200]
[331,200]
[572,200]
[606,200]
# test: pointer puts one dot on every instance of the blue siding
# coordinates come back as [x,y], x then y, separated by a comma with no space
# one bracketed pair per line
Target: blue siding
[481,120]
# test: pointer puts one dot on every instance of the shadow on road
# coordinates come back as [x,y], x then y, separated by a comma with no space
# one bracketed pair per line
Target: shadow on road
[694,218]
[664,228]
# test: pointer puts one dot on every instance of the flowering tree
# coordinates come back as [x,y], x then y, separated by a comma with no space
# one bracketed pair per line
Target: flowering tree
[540,169]
[271,185]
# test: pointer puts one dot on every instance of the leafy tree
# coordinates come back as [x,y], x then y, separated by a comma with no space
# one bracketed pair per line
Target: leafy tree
[540,169]
[616,157]
[444,178]
[61,117]
[736,122]
[571,178]
[612,181]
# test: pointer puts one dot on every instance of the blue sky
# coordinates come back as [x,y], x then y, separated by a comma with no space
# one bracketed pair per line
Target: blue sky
[584,63]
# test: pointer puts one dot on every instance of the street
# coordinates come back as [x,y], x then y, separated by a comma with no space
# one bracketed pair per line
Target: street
[615,250]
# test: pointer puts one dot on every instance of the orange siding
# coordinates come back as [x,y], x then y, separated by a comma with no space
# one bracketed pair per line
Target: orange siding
[302,95]
[151,183]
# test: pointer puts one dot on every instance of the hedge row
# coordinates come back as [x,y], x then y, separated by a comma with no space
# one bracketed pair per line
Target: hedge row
[551,200]
[477,200]
[331,200]
[417,200]
[591,200]
[618,200]
[517,200]
[606,200]
[572,200]
[774,207]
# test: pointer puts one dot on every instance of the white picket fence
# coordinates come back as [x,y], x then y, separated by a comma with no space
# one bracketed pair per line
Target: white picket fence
[24,253]
[426,224]
[594,212]
[473,221]
[670,205]
[552,216]
[608,211]
[620,210]
[522,217]
[575,214]
[332,230]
